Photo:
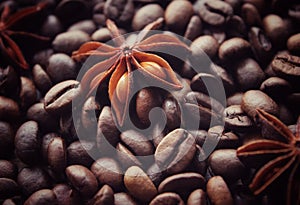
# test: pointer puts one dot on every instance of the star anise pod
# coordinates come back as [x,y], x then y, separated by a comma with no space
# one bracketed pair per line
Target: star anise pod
[277,154]
[123,60]
[9,48]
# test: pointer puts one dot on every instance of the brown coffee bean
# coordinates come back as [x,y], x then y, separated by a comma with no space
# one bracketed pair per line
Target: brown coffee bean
[236,119]
[57,154]
[69,41]
[137,143]
[194,28]
[28,93]
[225,140]
[121,197]
[236,27]
[197,197]
[254,99]
[227,80]
[178,14]
[235,99]
[146,15]
[79,152]
[87,26]
[45,121]
[293,43]
[204,45]
[182,184]
[88,115]
[126,157]
[133,178]
[108,171]
[44,196]
[8,169]
[225,163]
[286,66]
[66,195]
[175,151]
[215,12]
[9,202]
[9,82]
[293,12]
[8,188]
[51,26]
[173,113]
[276,87]
[61,67]
[105,196]
[28,142]
[167,198]
[59,97]
[41,58]
[33,179]
[102,35]
[120,11]
[155,174]
[251,15]
[7,135]
[82,179]
[41,79]
[234,48]
[9,109]
[218,191]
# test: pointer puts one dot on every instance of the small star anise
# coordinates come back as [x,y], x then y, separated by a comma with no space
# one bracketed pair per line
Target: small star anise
[9,48]
[126,57]
[278,154]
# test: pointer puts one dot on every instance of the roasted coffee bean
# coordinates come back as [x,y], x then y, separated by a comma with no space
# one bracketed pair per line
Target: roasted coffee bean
[41,78]
[276,87]
[33,179]
[146,15]
[133,178]
[44,196]
[173,113]
[216,32]
[7,135]
[98,16]
[9,109]
[235,99]
[81,152]
[254,99]
[204,45]
[102,35]
[276,29]
[69,41]
[234,48]
[175,151]
[225,140]
[294,12]
[249,74]
[42,57]
[178,14]
[287,66]
[45,121]
[121,197]
[9,82]
[261,45]
[182,184]
[61,67]
[197,197]
[198,164]
[126,157]
[167,198]
[108,171]
[155,174]
[87,26]
[82,179]
[28,93]
[137,143]
[218,191]
[293,43]
[46,139]
[8,169]
[251,15]
[236,27]
[105,196]
[51,26]
[28,142]
[8,188]
[57,154]
[88,115]
[226,78]
[66,195]
[120,11]
[9,202]
[59,98]
[194,28]
[146,100]
[225,163]
[236,119]
[215,12]
[201,111]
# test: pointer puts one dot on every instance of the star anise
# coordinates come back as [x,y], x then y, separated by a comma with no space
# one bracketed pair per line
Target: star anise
[9,48]
[127,57]
[277,154]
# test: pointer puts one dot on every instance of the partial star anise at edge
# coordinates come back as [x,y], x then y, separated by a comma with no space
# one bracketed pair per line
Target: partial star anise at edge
[8,47]
[274,156]
[125,58]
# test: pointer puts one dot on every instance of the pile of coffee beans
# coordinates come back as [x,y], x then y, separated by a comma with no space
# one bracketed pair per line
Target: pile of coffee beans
[56,154]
